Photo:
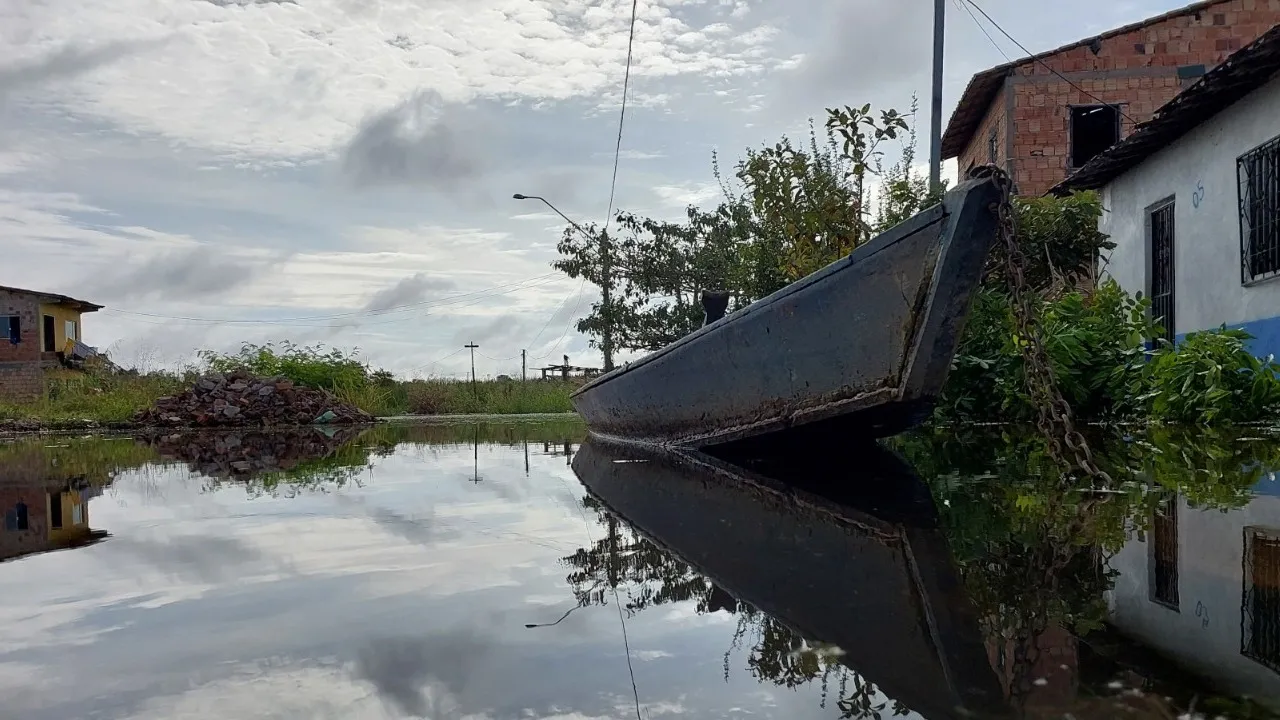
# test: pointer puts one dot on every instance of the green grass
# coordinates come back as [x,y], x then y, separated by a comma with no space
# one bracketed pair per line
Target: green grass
[492,397]
[74,396]
[83,396]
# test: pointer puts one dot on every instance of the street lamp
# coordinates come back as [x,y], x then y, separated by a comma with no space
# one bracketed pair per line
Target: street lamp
[606,275]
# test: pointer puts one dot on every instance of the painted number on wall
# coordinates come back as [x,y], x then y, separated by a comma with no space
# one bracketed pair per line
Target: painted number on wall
[1197,197]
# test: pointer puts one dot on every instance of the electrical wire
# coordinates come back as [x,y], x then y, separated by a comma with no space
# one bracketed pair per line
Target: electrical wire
[565,334]
[1046,66]
[438,360]
[622,116]
[961,4]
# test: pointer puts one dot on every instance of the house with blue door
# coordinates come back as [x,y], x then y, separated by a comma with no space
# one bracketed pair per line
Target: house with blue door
[1191,200]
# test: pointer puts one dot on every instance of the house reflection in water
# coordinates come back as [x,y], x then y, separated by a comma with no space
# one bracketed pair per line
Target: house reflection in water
[43,511]
[1203,587]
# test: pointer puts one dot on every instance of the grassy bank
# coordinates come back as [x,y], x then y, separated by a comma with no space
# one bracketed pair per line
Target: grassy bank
[72,396]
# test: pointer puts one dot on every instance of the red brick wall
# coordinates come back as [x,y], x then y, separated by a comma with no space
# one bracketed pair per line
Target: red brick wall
[36,536]
[1137,69]
[978,152]
[27,308]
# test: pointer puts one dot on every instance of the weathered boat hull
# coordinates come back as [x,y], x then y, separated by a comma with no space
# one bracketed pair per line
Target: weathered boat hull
[866,341]
[877,582]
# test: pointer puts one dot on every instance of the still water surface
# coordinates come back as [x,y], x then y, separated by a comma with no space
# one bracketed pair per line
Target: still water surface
[514,571]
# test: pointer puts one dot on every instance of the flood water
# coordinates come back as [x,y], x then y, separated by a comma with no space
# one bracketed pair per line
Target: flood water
[494,572]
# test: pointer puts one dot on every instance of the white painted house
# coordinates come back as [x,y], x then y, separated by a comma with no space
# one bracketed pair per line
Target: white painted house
[1203,588]
[1192,201]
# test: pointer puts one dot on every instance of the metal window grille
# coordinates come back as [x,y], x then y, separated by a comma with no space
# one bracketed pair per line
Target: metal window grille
[993,147]
[1162,271]
[1164,556]
[1260,604]
[1258,172]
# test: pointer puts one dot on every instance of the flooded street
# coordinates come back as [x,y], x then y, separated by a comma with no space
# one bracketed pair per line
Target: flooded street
[514,571]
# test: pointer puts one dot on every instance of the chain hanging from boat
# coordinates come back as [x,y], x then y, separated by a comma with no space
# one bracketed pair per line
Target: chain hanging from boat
[1055,420]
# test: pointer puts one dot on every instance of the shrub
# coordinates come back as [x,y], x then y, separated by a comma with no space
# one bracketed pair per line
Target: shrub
[1211,376]
[311,366]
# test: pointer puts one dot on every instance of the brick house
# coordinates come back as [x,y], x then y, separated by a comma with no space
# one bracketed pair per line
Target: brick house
[1039,127]
[35,330]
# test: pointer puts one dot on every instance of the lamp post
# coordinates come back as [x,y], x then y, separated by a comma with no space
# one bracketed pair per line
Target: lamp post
[606,277]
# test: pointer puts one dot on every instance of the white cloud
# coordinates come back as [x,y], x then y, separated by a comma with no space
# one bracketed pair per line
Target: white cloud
[285,80]
[686,194]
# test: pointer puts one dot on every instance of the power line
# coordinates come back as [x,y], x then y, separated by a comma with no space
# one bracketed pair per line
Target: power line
[1046,66]
[963,6]
[565,334]
[626,82]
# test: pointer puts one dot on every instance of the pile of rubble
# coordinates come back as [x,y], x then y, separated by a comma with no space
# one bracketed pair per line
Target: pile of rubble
[239,399]
[246,454]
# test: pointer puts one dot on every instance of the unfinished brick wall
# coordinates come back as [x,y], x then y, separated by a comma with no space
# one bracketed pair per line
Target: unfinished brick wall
[978,152]
[21,381]
[27,309]
[35,537]
[1140,69]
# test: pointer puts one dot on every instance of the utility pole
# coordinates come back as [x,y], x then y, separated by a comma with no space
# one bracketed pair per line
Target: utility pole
[606,272]
[474,391]
[523,365]
[935,144]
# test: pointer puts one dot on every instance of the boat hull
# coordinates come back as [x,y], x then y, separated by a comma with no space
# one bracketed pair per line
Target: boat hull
[865,342]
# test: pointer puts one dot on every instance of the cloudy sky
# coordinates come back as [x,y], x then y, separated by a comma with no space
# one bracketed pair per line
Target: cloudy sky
[341,171]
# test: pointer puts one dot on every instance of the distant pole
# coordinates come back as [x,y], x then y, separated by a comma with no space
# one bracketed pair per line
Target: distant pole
[474,391]
[523,365]
[935,144]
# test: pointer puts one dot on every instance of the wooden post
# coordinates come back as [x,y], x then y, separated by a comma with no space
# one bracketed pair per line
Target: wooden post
[523,365]
[564,369]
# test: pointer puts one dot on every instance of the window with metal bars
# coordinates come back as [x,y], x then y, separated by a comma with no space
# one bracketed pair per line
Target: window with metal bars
[993,146]
[1164,555]
[1161,225]
[1258,173]
[1260,605]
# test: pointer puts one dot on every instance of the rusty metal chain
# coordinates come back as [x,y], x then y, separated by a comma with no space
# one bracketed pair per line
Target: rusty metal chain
[1055,418]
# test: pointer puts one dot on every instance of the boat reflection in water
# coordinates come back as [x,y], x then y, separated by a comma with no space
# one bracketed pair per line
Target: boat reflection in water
[868,573]
[849,574]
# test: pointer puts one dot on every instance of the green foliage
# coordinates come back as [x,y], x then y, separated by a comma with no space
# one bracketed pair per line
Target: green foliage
[97,396]
[313,366]
[1211,377]
[792,209]
[496,397]
[1059,240]
[1094,341]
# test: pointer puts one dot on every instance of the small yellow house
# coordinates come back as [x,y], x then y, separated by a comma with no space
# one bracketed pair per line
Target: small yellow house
[37,329]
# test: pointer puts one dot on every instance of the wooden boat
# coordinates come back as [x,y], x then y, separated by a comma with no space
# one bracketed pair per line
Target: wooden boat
[863,344]
[867,570]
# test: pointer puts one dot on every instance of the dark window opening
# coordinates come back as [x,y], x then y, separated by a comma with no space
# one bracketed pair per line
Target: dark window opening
[1162,270]
[1261,602]
[49,345]
[1258,173]
[11,326]
[55,509]
[993,147]
[1094,128]
[16,518]
[1164,555]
